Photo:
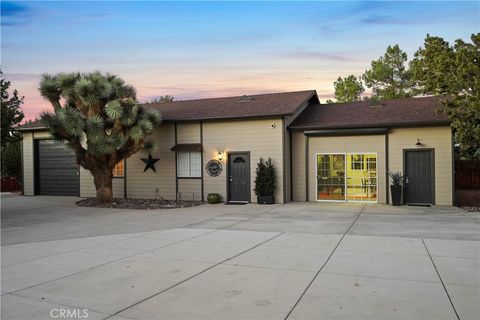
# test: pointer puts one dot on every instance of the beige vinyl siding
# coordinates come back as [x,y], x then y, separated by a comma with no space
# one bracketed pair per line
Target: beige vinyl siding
[28,159]
[42,135]
[287,163]
[118,188]
[255,136]
[190,189]
[347,144]
[438,138]
[293,191]
[87,187]
[298,166]
[188,132]
[27,145]
[149,184]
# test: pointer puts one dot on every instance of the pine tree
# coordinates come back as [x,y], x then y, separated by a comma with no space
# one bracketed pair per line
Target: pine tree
[348,89]
[12,113]
[453,71]
[388,77]
[99,118]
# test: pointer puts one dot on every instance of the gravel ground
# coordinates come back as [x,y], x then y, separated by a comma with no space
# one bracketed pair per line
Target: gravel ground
[471,209]
[138,204]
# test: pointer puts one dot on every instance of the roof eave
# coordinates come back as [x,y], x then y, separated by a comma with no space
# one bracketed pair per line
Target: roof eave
[32,129]
[270,116]
[374,125]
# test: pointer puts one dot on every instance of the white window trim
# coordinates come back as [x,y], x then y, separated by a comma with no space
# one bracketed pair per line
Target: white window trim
[189,165]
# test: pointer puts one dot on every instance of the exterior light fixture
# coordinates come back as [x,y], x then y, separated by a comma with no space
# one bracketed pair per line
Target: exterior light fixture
[418,144]
[220,156]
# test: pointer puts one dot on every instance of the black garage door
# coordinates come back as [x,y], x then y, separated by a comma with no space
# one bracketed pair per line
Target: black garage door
[56,169]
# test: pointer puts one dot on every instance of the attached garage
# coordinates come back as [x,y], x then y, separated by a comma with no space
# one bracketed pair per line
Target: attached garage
[343,151]
[56,170]
[347,167]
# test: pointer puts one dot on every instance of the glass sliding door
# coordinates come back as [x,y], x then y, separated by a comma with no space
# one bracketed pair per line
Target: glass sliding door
[347,177]
[361,177]
[331,177]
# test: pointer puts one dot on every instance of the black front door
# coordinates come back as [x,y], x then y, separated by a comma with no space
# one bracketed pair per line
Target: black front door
[418,176]
[238,177]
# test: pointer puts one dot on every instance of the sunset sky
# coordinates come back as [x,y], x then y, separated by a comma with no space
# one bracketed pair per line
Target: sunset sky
[208,49]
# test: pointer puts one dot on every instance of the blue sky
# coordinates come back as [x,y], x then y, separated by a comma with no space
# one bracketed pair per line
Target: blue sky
[206,49]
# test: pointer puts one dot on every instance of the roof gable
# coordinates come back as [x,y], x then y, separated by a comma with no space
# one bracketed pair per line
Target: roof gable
[396,112]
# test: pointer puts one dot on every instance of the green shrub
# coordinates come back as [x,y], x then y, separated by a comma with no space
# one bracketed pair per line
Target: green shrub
[265,179]
[396,177]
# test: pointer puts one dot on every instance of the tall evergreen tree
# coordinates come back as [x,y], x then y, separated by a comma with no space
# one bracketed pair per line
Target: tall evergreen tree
[388,76]
[348,89]
[454,71]
[11,116]
[166,98]
[11,112]
[99,118]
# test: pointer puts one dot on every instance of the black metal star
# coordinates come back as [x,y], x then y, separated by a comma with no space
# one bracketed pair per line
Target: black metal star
[150,163]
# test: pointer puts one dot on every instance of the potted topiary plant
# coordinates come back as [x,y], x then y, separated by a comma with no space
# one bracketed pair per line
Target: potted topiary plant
[213,198]
[396,187]
[265,182]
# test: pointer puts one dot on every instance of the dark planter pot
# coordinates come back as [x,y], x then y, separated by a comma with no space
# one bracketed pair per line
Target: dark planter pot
[213,198]
[396,195]
[265,200]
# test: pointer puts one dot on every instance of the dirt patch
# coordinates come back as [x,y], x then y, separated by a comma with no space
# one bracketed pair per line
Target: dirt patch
[467,198]
[138,204]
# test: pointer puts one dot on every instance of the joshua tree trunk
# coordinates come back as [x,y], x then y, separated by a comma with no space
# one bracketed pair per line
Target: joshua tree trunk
[103,184]
[99,116]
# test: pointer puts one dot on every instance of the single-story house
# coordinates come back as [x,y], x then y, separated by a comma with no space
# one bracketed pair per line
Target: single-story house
[322,152]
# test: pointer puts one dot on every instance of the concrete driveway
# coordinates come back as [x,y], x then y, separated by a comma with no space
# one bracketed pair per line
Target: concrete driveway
[294,261]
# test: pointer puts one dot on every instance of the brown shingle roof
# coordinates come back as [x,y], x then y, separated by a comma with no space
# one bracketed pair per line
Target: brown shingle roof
[34,125]
[389,113]
[255,106]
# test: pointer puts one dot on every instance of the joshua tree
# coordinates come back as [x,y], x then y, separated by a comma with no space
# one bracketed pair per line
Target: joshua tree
[99,118]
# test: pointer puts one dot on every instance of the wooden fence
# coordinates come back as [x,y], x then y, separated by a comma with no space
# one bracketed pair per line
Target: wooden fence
[467,174]
[10,184]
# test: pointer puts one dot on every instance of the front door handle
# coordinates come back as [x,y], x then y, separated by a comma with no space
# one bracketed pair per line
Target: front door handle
[406,180]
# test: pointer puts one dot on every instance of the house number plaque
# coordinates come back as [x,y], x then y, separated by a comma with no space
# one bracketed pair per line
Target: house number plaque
[214,168]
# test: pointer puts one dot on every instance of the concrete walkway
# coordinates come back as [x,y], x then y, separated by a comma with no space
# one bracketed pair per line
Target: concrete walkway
[294,261]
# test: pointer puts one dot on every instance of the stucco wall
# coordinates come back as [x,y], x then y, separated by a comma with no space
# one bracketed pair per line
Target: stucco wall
[151,185]
[439,138]
[348,144]
[255,136]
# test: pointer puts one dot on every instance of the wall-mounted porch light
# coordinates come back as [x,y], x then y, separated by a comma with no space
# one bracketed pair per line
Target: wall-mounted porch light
[418,144]
[220,156]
